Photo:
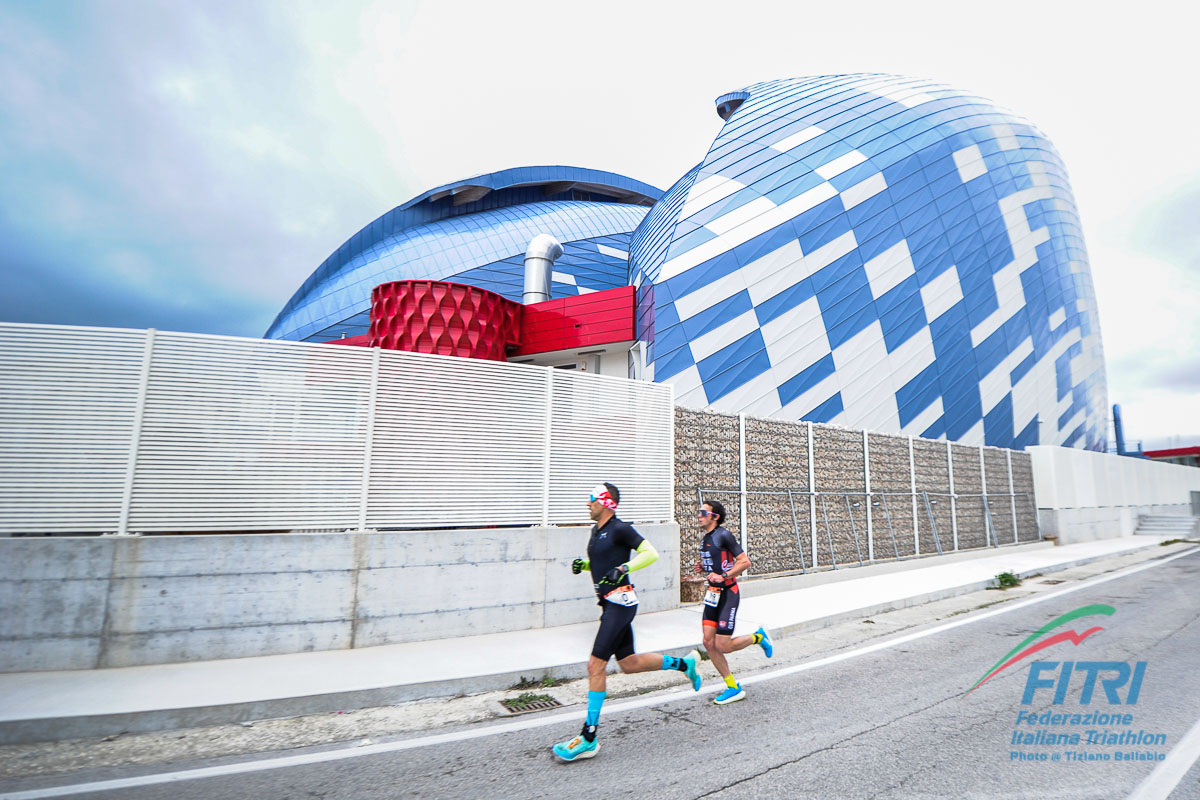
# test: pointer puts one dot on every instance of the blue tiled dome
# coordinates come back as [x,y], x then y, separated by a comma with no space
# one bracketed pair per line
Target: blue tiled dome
[878,252]
[475,231]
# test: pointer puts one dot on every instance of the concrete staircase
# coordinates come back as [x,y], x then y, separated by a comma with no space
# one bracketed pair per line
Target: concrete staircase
[1177,527]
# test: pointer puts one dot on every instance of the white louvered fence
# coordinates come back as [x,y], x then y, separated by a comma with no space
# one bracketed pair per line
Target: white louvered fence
[125,431]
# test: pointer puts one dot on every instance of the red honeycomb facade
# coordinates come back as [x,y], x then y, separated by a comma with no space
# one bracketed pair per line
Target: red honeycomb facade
[450,319]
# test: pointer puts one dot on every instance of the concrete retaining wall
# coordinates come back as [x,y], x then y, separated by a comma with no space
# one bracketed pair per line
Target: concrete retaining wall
[1073,525]
[117,601]
[1084,495]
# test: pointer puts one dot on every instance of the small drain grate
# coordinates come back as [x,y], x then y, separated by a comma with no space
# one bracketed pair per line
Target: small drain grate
[521,705]
[1052,582]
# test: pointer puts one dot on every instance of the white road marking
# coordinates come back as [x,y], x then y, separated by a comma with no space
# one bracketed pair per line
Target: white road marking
[1159,784]
[353,751]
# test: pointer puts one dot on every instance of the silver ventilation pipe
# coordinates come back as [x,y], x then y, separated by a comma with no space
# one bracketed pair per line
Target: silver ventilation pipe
[539,264]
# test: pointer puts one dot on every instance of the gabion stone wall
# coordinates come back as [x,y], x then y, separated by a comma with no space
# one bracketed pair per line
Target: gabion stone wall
[838,466]
[777,462]
[779,529]
[706,457]
[969,505]
[996,482]
[932,463]
[1022,472]
[892,506]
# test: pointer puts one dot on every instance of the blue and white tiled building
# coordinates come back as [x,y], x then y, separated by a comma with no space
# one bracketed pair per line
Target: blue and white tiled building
[866,250]
[877,252]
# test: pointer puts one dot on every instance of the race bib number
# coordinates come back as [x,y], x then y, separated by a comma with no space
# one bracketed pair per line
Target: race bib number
[712,596]
[622,596]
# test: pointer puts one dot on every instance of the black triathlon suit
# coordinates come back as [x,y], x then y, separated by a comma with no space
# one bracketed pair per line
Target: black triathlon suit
[718,550]
[608,547]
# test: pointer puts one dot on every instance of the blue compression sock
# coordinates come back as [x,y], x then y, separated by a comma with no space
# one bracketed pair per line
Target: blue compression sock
[671,662]
[595,700]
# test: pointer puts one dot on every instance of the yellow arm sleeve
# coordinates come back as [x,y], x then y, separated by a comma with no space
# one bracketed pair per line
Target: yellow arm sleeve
[646,555]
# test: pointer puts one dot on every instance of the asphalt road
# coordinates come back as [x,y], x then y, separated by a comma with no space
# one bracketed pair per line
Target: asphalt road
[891,723]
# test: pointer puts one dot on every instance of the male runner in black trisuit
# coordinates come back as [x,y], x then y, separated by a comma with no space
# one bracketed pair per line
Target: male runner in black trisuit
[608,560]
[723,559]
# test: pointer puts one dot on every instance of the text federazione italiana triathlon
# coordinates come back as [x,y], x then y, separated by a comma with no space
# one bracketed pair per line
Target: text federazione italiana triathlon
[1054,728]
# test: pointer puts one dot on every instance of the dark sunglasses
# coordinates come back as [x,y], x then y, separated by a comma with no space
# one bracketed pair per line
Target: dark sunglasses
[704,513]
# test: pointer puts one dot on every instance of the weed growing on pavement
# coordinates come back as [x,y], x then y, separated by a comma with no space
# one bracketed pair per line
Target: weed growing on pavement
[548,682]
[523,701]
[1007,580]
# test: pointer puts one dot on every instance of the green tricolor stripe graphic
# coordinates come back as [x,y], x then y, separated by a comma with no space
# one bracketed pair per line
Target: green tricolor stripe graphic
[1082,611]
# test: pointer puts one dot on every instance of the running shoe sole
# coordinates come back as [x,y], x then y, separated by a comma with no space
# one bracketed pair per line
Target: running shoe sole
[692,660]
[721,700]
[579,756]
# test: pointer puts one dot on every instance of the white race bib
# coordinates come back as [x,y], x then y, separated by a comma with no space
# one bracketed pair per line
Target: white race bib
[712,596]
[622,596]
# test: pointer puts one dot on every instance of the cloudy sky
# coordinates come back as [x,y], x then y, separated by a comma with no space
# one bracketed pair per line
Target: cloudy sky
[186,166]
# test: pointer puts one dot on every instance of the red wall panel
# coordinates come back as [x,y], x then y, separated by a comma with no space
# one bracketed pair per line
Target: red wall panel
[458,320]
[588,320]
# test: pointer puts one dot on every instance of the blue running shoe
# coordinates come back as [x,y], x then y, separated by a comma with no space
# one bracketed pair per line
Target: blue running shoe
[691,660]
[577,747]
[731,695]
[765,643]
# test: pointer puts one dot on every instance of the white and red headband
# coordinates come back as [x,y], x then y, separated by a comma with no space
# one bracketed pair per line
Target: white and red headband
[601,495]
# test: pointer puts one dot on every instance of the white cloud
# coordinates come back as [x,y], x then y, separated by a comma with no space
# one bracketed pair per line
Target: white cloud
[236,146]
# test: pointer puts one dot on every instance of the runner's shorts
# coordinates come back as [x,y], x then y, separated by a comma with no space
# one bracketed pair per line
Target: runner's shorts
[723,615]
[615,637]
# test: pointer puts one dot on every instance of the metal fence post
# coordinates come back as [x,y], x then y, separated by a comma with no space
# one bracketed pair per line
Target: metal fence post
[986,503]
[912,475]
[547,431]
[368,444]
[1012,498]
[937,540]
[812,498]
[853,529]
[828,534]
[796,529]
[953,496]
[742,476]
[867,480]
[135,435]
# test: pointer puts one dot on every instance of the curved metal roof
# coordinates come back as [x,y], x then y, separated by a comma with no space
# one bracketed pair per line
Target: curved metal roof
[442,249]
[495,190]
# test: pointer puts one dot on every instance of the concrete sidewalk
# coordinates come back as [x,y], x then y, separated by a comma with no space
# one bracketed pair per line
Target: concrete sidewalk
[40,706]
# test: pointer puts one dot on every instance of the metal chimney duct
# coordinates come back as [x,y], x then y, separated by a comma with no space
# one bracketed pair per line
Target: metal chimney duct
[1119,429]
[539,263]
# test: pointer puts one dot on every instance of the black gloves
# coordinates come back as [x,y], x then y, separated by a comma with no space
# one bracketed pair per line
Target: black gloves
[615,576]
[577,566]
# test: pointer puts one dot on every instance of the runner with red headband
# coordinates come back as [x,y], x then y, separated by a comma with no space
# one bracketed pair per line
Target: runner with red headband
[608,559]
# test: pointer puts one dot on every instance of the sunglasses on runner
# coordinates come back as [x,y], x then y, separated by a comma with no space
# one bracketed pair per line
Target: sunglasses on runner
[703,513]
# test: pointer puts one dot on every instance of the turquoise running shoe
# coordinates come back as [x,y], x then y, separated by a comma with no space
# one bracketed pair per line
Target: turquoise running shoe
[765,643]
[731,695]
[691,660]
[577,747]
